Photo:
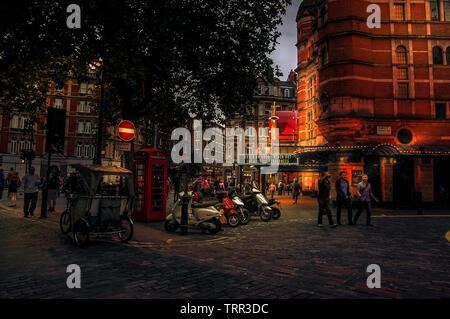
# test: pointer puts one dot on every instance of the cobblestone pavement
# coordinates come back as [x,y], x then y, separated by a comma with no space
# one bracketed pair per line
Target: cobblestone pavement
[287,258]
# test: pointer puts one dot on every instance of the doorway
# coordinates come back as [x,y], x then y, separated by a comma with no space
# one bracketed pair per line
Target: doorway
[403,182]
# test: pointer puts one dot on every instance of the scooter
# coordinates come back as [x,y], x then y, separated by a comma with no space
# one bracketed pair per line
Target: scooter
[203,216]
[226,208]
[244,214]
[256,203]
[276,208]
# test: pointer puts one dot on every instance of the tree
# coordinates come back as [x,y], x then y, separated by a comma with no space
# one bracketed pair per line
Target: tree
[185,57]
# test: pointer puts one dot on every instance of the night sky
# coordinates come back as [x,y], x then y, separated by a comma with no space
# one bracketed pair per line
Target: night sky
[285,55]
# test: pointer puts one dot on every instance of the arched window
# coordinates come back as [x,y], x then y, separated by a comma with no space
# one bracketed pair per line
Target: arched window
[402,57]
[448,56]
[437,55]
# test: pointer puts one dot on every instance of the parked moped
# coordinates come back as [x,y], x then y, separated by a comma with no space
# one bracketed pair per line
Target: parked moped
[203,215]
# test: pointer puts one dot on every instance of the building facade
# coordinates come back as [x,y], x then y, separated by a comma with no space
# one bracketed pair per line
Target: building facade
[377,100]
[17,134]
[277,98]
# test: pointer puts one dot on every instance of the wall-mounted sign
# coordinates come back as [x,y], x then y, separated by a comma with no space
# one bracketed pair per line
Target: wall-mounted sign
[384,130]
[125,147]
[356,177]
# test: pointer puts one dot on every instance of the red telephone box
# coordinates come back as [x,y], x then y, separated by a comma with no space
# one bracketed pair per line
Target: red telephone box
[150,178]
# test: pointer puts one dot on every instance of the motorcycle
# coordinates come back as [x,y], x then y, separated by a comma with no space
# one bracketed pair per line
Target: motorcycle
[226,207]
[276,208]
[256,203]
[244,214]
[202,216]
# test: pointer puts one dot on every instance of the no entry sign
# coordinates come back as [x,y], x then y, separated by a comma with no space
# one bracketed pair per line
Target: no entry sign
[126,131]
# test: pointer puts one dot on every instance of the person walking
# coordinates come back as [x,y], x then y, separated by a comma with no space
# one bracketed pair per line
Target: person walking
[53,190]
[288,188]
[30,190]
[296,191]
[343,198]
[324,199]
[272,189]
[13,184]
[2,183]
[364,191]
[280,188]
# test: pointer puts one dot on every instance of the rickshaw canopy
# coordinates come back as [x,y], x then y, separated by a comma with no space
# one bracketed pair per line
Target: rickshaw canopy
[93,174]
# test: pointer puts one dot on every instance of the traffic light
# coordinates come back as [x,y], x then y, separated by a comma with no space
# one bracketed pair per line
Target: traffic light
[56,129]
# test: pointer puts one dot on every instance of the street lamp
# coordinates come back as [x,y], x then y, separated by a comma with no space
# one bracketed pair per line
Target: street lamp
[98,157]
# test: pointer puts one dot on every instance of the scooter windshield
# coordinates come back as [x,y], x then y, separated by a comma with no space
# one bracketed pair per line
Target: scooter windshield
[261,198]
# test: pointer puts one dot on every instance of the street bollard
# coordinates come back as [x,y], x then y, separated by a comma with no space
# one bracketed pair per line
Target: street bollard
[184,214]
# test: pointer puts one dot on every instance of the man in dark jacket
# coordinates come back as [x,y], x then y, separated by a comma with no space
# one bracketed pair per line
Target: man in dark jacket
[324,199]
[343,197]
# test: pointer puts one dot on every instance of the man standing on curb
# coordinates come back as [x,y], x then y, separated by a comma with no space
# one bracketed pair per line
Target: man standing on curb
[365,195]
[343,198]
[324,199]
[30,190]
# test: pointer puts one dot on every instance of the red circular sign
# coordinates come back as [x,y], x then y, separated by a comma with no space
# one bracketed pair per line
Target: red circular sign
[126,130]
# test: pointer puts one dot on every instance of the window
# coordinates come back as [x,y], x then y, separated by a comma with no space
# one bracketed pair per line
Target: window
[399,11]
[87,127]
[58,103]
[447,12]
[448,56]
[91,88]
[403,90]
[267,91]
[275,91]
[311,88]
[286,93]
[259,89]
[16,146]
[437,55]
[435,10]
[284,108]
[402,57]
[18,122]
[440,110]
[80,129]
[402,73]
[404,136]
[261,109]
[85,151]
[84,107]
[83,88]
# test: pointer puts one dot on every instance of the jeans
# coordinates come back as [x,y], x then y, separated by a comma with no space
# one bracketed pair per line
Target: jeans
[1,192]
[368,207]
[29,198]
[324,208]
[346,202]
[296,197]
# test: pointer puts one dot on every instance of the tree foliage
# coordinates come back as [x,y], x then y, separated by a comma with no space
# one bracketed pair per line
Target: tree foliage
[163,61]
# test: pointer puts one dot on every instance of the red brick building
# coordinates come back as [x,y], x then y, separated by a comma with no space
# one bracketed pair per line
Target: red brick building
[80,137]
[377,100]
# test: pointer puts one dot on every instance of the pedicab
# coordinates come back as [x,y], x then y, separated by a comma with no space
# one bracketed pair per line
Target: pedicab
[99,209]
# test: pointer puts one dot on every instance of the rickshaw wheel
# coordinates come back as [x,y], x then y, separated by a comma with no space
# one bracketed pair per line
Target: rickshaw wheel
[65,222]
[81,233]
[126,224]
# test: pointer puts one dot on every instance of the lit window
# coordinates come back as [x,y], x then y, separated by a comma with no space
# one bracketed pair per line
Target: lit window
[402,73]
[80,127]
[58,103]
[437,55]
[435,10]
[402,57]
[83,88]
[403,90]
[399,11]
